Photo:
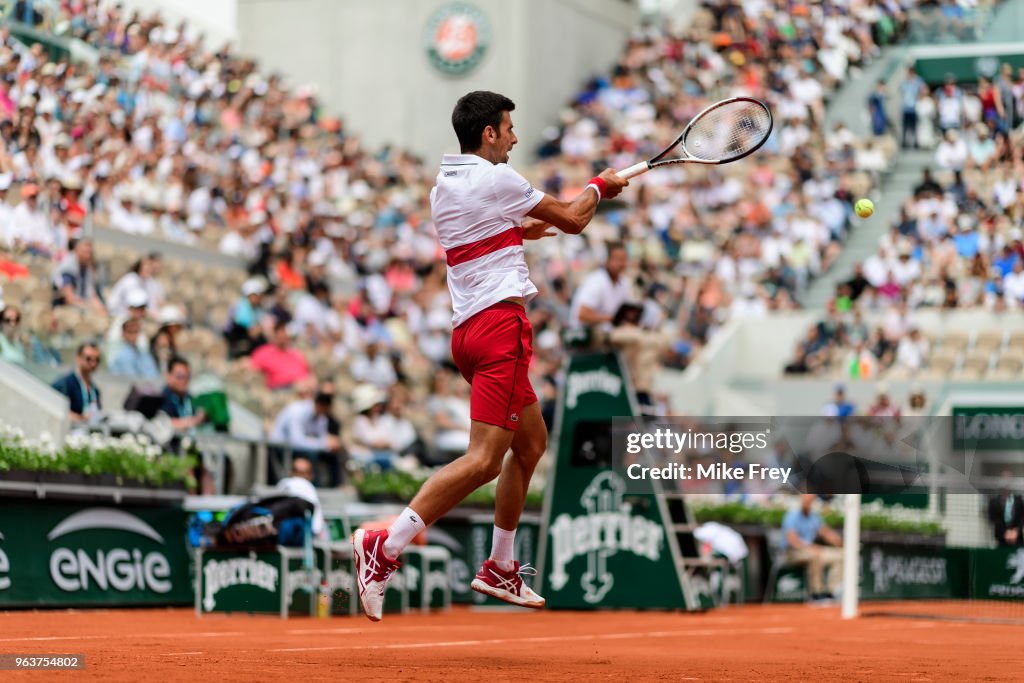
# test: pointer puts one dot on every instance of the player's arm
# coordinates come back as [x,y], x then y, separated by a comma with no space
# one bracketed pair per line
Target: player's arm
[572,217]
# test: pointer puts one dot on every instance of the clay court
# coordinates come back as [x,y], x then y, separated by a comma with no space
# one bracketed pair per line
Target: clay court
[740,644]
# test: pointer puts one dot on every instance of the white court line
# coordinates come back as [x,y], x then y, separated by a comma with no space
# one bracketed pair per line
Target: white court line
[537,639]
[121,636]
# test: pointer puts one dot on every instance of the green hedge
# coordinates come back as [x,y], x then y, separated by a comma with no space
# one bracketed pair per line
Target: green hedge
[402,486]
[126,458]
[740,514]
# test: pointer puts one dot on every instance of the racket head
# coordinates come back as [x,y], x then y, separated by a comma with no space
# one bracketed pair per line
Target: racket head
[728,130]
[723,132]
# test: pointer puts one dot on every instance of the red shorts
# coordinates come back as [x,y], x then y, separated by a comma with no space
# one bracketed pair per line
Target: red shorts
[493,351]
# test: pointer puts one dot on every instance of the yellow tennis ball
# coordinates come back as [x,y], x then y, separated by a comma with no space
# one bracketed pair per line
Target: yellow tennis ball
[864,207]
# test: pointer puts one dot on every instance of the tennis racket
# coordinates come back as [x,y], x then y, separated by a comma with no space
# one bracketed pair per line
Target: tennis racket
[724,132]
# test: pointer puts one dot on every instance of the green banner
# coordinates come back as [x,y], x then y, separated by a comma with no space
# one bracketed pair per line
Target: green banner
[891,572]
[65,554]
[998,574]
[601,547]
[239,581]
[988,428]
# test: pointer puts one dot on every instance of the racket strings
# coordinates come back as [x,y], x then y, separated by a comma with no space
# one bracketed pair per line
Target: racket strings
[728,131]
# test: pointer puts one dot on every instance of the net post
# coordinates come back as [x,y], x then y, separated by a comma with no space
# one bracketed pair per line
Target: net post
[851,556]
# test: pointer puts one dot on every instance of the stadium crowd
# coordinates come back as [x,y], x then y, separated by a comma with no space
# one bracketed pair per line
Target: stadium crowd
[163,136]
[957,244]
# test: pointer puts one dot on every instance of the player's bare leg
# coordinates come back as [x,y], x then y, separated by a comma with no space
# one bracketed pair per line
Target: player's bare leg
[501,575]
[452,483]
[375,552]
[528,446]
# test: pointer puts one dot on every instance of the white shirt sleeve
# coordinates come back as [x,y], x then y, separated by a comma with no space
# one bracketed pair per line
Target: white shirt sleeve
[514,194]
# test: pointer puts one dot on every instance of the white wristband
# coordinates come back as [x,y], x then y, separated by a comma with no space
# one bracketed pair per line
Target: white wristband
[596,189]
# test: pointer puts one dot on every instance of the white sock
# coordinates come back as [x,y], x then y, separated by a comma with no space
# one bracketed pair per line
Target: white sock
[402,531]
[503,549]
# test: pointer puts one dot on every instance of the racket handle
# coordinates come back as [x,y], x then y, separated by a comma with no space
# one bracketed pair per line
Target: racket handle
[634,170]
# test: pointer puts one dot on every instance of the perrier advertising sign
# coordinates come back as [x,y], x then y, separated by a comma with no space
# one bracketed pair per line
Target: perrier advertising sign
[601,547]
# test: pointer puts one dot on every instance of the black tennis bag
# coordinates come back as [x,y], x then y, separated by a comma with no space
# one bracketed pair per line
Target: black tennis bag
[262,525]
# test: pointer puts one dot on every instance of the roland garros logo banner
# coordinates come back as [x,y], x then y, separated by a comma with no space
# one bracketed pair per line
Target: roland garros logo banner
[60,554]
[456,38]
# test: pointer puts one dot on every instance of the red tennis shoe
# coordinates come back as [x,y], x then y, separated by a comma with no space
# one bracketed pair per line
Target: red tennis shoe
[507,585]
[373,570]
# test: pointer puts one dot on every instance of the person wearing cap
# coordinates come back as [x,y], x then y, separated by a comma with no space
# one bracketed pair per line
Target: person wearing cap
[136,306]
[244,330]
[143,276]
[308,428]
[278,360]
[132,358]
[75,282]
[839,406]
[32,229]
[372,440]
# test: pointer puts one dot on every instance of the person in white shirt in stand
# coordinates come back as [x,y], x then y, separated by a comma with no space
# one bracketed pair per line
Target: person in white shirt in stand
[482,209]
[31,227]
[912,351]
[602,292]
[300,485]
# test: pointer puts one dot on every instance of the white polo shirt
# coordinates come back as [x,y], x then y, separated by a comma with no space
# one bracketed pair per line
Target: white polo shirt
[478,209]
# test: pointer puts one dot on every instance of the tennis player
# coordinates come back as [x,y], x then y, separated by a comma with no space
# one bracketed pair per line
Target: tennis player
[483,211]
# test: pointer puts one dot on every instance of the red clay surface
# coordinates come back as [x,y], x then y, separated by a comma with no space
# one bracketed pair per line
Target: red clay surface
[787,643]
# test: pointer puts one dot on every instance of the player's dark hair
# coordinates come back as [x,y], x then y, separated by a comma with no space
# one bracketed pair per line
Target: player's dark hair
[474,112]
[614,246]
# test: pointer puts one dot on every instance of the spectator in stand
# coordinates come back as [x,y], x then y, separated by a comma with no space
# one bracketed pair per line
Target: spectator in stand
[641,350]
[372,441]
[926,110]
[300,485]
[144,275]
[177,403]
[162,347]
[308,427]
[951,106]
[450,413]
[245,325]
[31,228]
[839,406]
[1006,513]
[130,359]
[404,438]
[883,405]
[13,346]
[951,154]
[137,303]
[82,393]
[910,92]
[861,362]
[916,403]
[912,350]
[279,361]
[876,110]
[75,281]
[374,366]
[602,292]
